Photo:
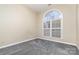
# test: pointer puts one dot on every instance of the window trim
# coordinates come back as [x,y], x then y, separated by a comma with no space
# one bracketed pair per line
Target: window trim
[62,33]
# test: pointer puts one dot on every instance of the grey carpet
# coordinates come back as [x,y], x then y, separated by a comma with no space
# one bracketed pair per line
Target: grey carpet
[40,47]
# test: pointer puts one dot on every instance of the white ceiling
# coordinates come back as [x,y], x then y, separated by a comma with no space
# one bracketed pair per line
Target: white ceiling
[38,7]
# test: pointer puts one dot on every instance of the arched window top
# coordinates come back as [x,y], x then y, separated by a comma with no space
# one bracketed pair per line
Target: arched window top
[53,15]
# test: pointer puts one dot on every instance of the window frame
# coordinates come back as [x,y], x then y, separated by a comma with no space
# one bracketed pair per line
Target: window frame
[51,24]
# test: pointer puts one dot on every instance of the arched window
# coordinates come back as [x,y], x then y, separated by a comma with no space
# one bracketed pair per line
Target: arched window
[53,24]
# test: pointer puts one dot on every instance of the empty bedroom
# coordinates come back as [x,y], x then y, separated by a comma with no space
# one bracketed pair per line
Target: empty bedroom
[39,29]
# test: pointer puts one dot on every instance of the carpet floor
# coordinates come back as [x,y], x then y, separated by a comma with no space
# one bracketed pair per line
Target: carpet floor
[40,47]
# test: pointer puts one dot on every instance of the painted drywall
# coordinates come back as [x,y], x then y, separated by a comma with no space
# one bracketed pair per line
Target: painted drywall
[69,23]
[17,23]
[77,25]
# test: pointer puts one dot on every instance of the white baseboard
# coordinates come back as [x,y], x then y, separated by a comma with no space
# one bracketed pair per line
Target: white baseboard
[8,45]
[58,41]
[35,38]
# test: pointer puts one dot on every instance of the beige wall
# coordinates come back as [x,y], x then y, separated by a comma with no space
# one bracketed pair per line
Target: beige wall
[69,22]
[78,26]
[17,23]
